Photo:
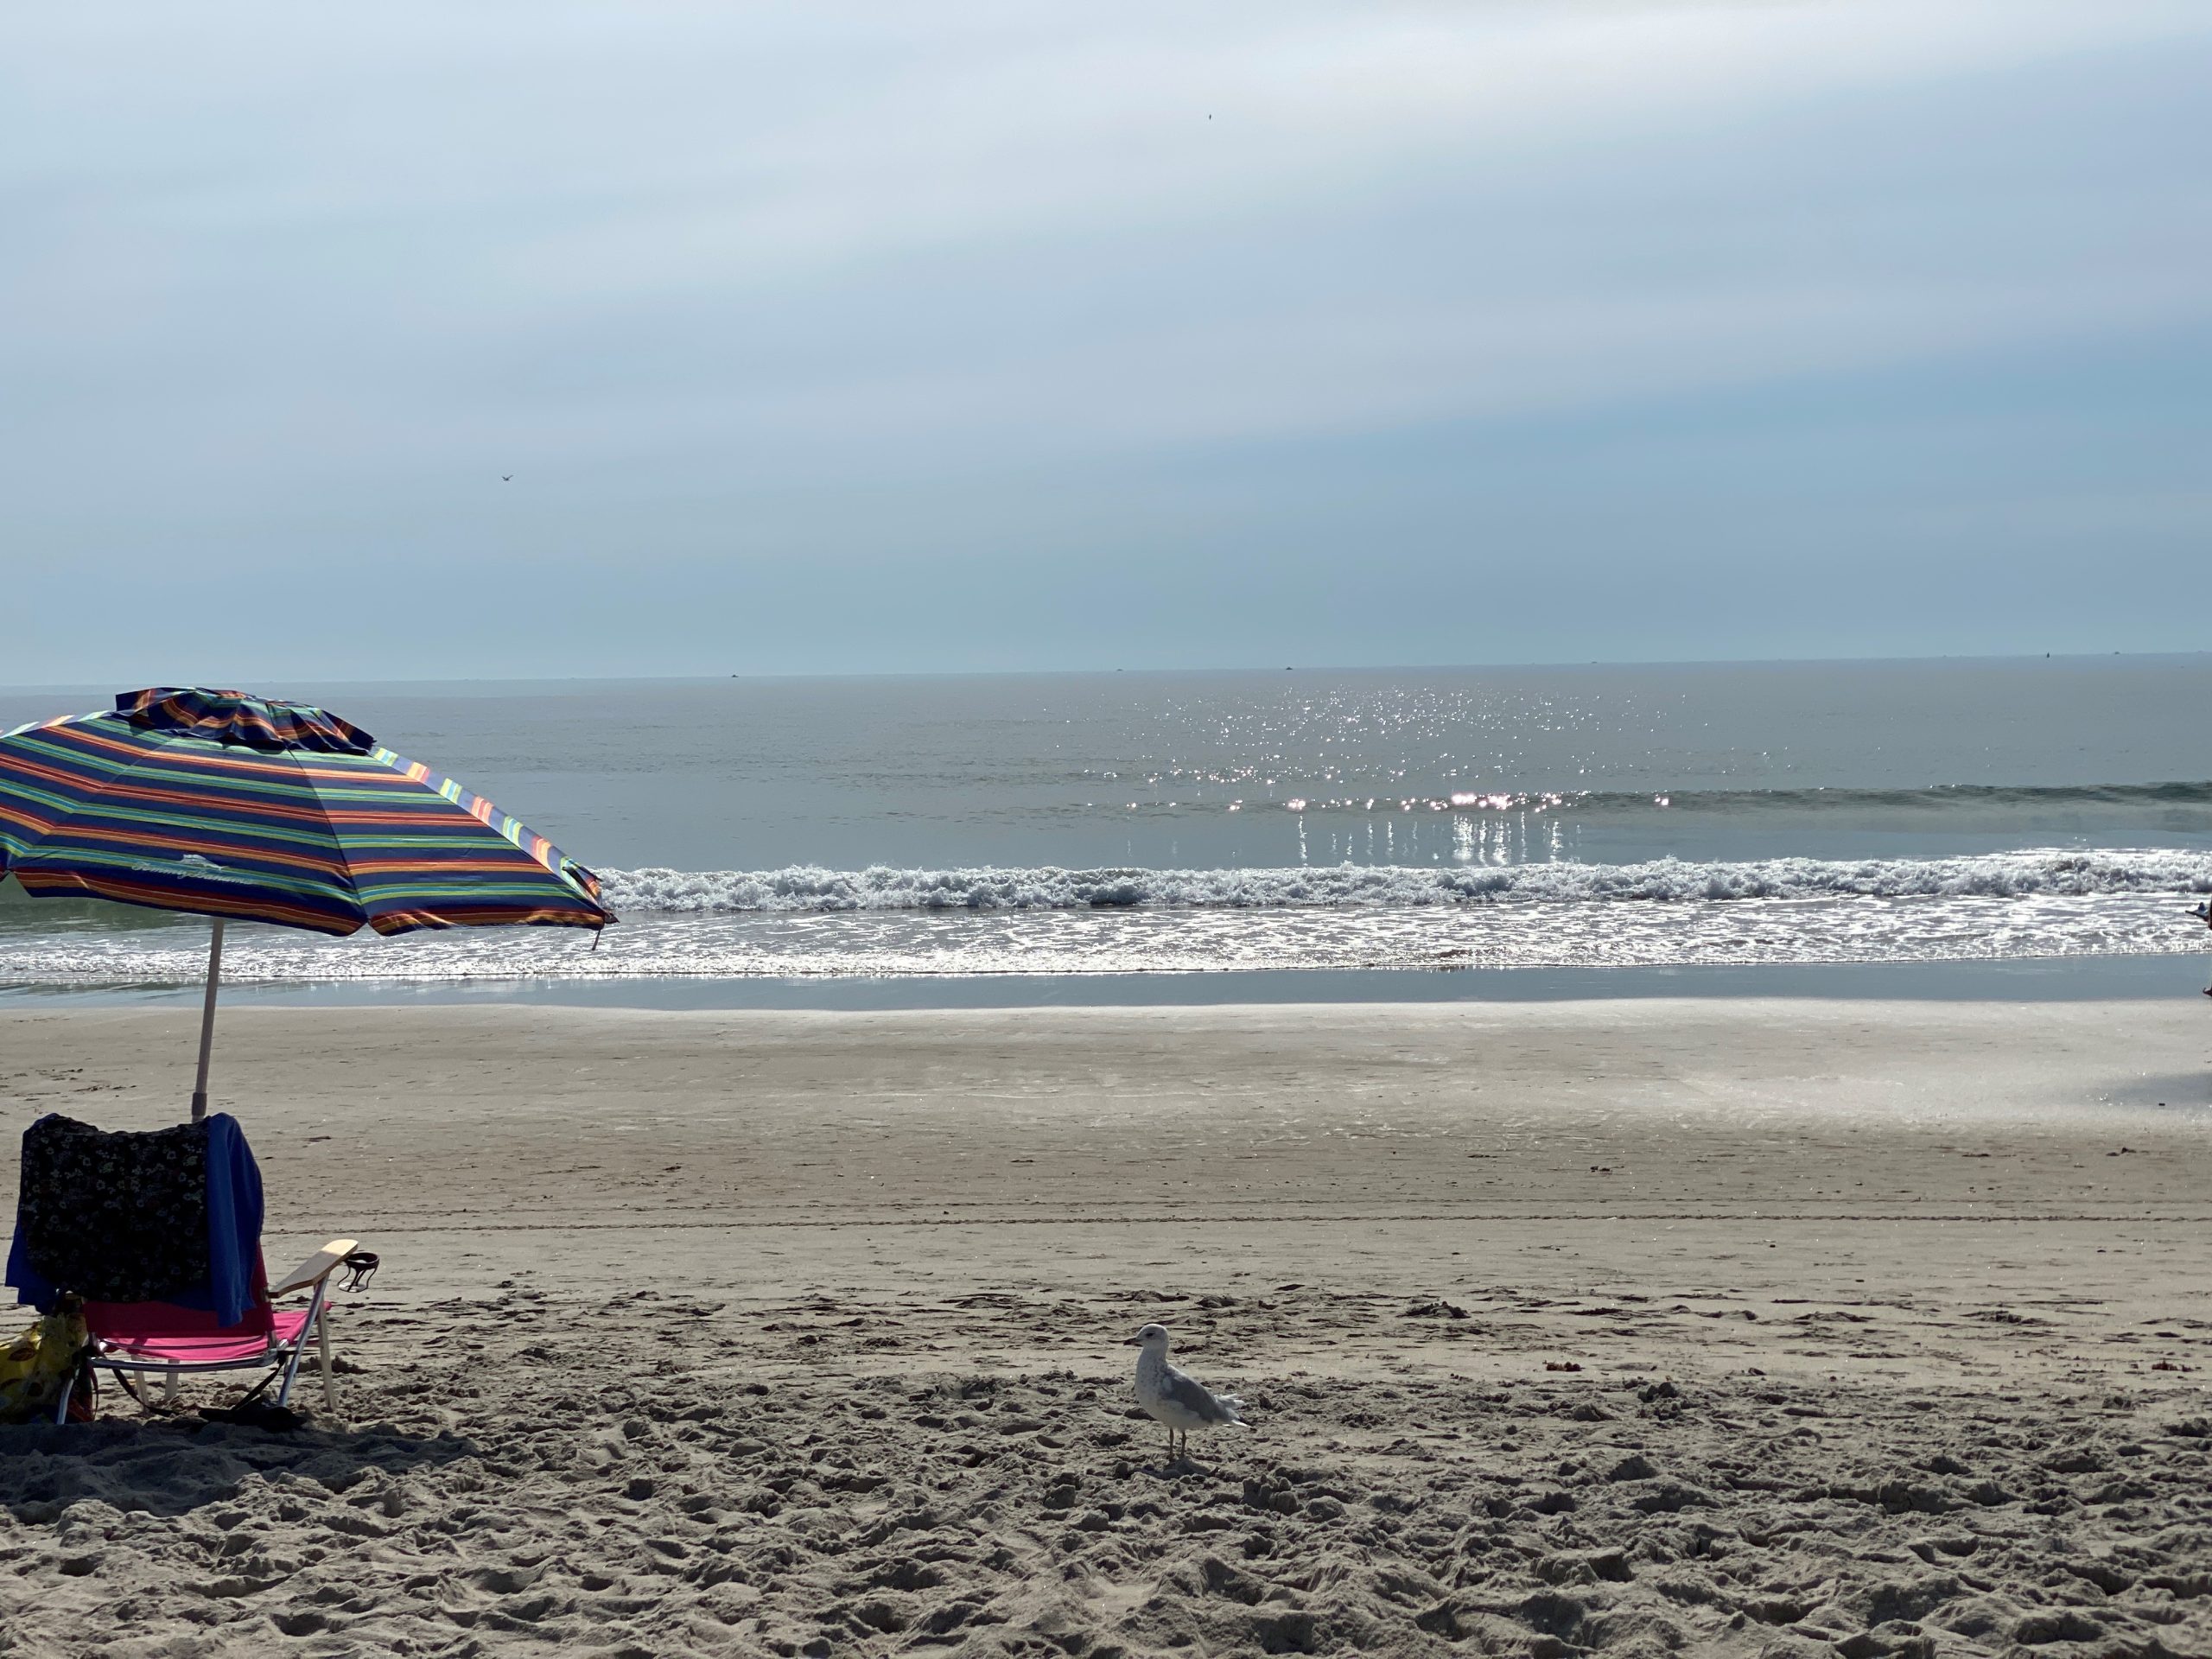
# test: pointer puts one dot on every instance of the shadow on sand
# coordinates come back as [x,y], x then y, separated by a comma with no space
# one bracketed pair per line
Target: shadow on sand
[172,1465]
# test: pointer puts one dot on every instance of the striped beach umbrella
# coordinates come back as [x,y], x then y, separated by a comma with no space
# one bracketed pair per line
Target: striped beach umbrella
[247,808]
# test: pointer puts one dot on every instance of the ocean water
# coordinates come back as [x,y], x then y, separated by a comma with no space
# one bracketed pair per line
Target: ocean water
[1582,818]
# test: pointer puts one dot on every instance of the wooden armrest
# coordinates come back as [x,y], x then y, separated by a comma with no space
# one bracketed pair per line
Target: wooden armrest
[316,1268]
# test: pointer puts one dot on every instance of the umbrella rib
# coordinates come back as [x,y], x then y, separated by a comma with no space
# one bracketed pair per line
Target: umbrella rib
[343,854]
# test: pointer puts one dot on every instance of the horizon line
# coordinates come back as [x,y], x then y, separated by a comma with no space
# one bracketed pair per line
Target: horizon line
[710,678]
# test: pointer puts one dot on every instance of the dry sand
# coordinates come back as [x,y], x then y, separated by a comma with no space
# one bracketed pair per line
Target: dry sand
[1632,1327]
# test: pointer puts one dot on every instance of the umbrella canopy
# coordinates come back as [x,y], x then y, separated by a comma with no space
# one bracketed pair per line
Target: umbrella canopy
[245,807]
[234,806]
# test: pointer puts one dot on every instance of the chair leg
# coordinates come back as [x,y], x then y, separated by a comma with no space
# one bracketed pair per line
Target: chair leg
[323,1343]
[68,1393]
[300,1345]
[169,1387]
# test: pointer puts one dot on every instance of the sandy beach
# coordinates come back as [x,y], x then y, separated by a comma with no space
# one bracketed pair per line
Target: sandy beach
[1628,1327]
[1498,709]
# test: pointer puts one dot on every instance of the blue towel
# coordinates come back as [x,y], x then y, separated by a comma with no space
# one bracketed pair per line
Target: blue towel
[233,1220]
[234,1215]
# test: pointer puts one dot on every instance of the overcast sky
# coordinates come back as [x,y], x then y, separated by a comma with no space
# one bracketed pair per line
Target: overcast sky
[830,338]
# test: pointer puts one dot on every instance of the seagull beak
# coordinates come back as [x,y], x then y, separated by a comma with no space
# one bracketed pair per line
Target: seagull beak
[1132,1342]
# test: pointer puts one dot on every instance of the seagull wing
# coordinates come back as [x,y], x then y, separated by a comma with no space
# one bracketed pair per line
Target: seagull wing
[1196,1398]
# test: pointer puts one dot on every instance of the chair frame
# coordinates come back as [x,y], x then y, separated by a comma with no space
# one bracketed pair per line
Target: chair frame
[314,1272]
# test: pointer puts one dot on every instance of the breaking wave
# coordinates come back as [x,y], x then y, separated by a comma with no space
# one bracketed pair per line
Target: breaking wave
[882,923]
[1986,875]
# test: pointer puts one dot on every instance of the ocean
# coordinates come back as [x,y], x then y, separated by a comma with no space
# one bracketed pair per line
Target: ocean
[1468,821]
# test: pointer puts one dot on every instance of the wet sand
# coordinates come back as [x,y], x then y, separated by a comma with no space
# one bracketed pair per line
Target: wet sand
[1712,1325]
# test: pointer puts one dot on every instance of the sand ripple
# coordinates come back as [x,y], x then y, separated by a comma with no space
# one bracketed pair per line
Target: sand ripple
[653,1478]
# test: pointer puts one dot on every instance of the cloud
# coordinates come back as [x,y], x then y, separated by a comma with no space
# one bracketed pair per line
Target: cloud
[891,282]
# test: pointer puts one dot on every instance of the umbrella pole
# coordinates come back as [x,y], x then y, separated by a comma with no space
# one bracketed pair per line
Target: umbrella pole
[208,1020]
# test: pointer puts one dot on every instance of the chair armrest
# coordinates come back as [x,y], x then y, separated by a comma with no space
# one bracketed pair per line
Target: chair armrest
[316,1268]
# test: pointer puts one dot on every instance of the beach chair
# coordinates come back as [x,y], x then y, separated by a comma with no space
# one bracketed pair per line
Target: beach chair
[148,1338]
[103,1215]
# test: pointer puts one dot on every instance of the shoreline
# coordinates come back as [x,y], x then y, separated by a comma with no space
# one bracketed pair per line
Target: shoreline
[2039,979]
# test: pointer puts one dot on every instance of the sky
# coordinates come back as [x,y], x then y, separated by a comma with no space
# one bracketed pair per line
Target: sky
[483,339]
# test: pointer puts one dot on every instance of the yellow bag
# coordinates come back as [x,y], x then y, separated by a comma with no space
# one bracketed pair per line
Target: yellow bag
[40,1363]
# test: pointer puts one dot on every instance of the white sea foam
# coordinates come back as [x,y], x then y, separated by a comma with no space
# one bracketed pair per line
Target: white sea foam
[1595,933]
[2001,906]
[1989,875]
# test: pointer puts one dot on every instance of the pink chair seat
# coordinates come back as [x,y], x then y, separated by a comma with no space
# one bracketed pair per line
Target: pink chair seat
[218,1348]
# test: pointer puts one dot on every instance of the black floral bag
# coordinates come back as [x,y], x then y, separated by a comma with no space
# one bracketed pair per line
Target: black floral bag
[117,1217]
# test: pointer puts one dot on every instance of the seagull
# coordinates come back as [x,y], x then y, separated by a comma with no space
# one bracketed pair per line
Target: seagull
[506,477]
[1175,1399]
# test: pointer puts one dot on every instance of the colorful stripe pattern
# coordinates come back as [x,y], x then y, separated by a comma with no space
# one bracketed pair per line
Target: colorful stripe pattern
[235,807]
[234,717]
